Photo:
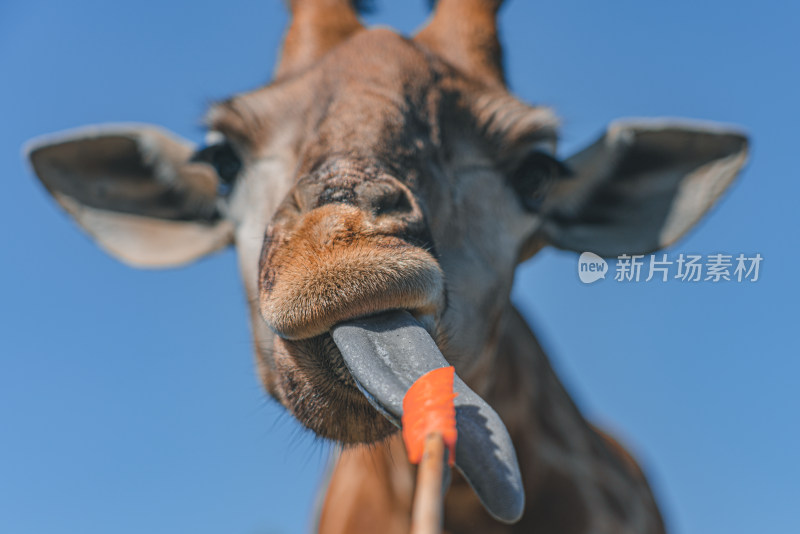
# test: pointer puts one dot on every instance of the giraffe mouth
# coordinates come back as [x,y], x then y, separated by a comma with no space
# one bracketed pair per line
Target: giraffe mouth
[385,354]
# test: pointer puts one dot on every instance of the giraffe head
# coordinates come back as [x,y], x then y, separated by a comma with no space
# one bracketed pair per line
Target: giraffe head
[378,172]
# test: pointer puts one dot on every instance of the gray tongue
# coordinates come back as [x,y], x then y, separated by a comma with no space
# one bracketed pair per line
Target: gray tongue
[386,354]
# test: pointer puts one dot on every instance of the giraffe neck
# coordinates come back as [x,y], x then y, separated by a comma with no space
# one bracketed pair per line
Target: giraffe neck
[577,479]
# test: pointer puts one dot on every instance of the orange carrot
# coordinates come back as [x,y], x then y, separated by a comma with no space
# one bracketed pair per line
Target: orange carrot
[428,409]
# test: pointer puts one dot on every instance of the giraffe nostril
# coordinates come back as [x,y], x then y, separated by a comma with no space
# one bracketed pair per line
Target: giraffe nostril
[383,197]
[392,202]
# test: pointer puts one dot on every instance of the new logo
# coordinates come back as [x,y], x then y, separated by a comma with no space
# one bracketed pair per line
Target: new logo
[591,267]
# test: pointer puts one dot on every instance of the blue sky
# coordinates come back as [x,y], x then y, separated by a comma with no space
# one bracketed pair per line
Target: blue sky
[128,400]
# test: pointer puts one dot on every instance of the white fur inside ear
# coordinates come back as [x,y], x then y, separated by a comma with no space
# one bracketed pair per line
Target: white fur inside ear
[697,193]
[146,242]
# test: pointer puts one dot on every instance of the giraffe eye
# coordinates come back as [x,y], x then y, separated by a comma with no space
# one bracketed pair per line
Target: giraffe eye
[533,177]
[223,157]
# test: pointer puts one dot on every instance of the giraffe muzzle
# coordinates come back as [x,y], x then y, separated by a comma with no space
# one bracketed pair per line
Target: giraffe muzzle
[337,264]
[387,353]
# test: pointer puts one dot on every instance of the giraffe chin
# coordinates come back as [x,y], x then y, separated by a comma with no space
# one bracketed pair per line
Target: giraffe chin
[386,354]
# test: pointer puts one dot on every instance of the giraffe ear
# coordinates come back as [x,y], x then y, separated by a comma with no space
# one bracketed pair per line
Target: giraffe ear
[135,191]
[641,186]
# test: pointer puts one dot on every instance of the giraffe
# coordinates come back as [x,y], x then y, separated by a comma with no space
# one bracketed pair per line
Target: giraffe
[380,172]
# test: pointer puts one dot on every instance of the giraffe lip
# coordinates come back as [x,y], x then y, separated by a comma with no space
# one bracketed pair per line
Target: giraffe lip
[387,353]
